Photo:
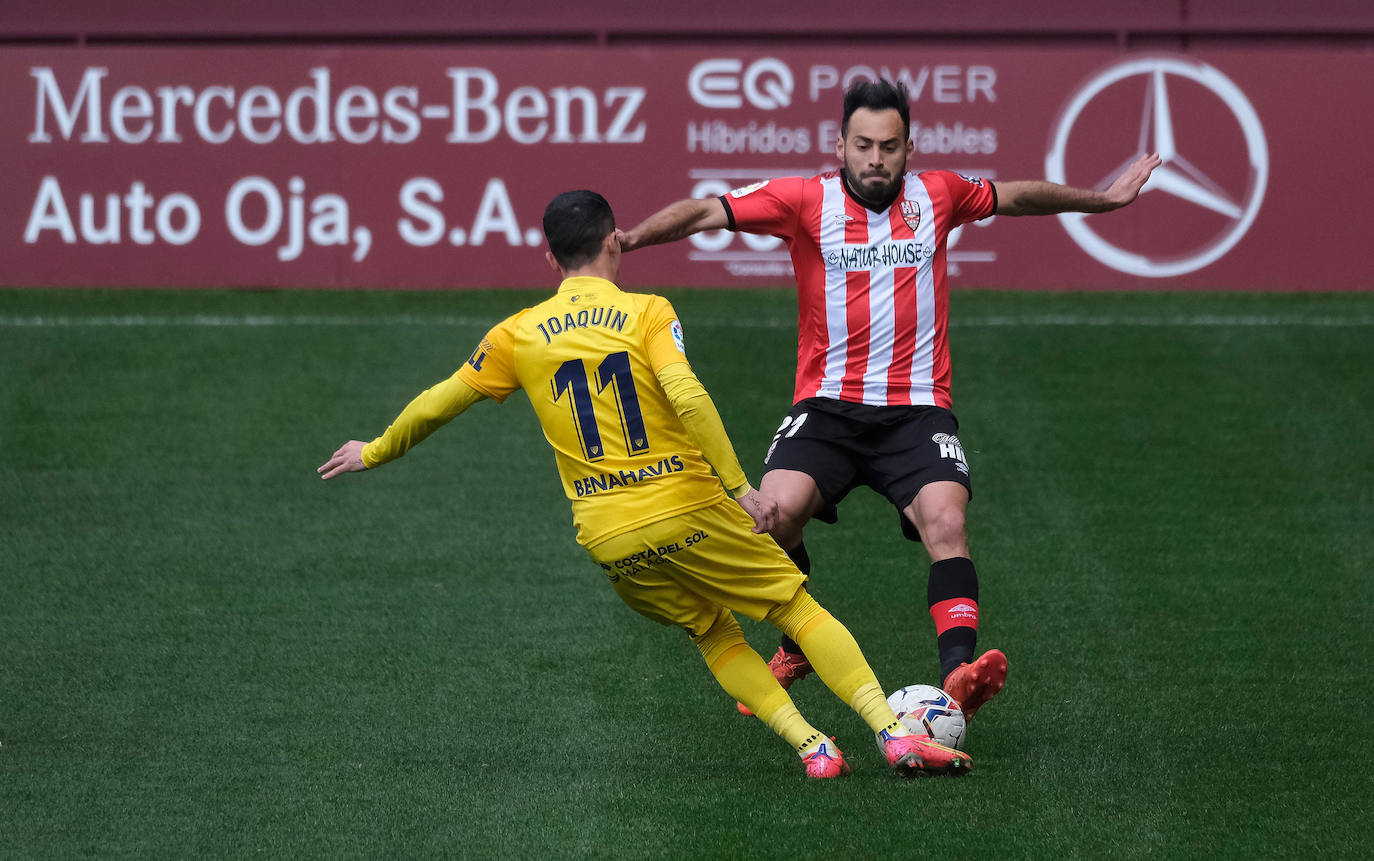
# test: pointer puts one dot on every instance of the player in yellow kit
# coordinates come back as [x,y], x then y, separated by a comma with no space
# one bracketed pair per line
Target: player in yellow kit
[635,437]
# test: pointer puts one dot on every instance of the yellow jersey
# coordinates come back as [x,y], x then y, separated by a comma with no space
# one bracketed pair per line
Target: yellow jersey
[588,359]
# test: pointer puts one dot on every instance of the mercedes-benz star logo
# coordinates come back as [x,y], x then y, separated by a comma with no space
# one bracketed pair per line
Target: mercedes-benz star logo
[1176,176]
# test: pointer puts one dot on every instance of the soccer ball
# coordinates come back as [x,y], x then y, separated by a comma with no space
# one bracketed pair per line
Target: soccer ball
[927,710]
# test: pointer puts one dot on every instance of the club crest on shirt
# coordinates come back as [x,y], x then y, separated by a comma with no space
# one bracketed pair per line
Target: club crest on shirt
[911,214]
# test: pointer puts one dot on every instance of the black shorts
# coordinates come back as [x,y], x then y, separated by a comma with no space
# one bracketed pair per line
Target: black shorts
[895,450]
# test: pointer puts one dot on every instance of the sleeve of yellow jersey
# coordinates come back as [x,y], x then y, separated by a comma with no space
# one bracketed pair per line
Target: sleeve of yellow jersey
[430,410]
[668,357]
[488,373]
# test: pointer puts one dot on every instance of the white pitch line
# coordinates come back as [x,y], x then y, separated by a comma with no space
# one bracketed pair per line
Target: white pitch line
[212,321]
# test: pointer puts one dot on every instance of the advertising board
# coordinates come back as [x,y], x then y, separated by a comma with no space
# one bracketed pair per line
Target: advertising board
[429,167]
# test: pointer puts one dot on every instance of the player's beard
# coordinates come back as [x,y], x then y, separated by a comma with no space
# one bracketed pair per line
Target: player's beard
[876,199]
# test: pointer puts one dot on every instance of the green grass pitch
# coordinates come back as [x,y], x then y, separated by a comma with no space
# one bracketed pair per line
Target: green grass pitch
[208,652]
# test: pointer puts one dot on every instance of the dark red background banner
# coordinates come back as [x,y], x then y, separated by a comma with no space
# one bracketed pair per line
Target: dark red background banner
[640,22]
[372,166]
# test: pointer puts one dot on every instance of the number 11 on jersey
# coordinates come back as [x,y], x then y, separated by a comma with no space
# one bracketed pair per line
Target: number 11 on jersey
[614,370]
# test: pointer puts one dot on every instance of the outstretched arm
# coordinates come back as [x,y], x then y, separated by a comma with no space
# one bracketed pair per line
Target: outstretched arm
[429,411]
[1035,197]
[675,221]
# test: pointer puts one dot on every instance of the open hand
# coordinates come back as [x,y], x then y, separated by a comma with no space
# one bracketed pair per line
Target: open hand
[1126,188]
[349,458]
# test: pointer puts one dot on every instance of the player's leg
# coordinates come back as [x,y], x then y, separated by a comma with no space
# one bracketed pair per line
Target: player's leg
[920,466]
[840,663]
[804,468]
[798,498]
[952,589]
[744,676]
[938,512]
[725,564]
[661,590]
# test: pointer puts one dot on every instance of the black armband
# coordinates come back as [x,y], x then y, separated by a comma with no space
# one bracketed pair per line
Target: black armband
[729,213]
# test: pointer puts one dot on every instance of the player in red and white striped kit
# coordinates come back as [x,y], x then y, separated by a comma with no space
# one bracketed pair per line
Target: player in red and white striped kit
[872,399]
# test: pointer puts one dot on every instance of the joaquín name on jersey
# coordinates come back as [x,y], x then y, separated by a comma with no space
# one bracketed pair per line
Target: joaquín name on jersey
[588,358]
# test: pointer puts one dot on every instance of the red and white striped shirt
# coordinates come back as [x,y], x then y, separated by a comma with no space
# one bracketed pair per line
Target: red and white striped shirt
[872,300]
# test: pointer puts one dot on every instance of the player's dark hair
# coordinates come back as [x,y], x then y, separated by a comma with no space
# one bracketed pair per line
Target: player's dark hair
[575,224]
[879,95]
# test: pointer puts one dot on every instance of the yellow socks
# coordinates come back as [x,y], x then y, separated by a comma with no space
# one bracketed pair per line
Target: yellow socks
[745,676]
[833,653]
[837,659]
[872,706]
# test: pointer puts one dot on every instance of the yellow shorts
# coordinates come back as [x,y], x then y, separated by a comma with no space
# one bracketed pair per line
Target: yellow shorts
[685,569]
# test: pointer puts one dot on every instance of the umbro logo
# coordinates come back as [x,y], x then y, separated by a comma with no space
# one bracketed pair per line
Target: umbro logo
[842,218]
[963,608]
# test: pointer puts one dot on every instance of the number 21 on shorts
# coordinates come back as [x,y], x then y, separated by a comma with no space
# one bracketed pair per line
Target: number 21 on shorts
[788,428]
